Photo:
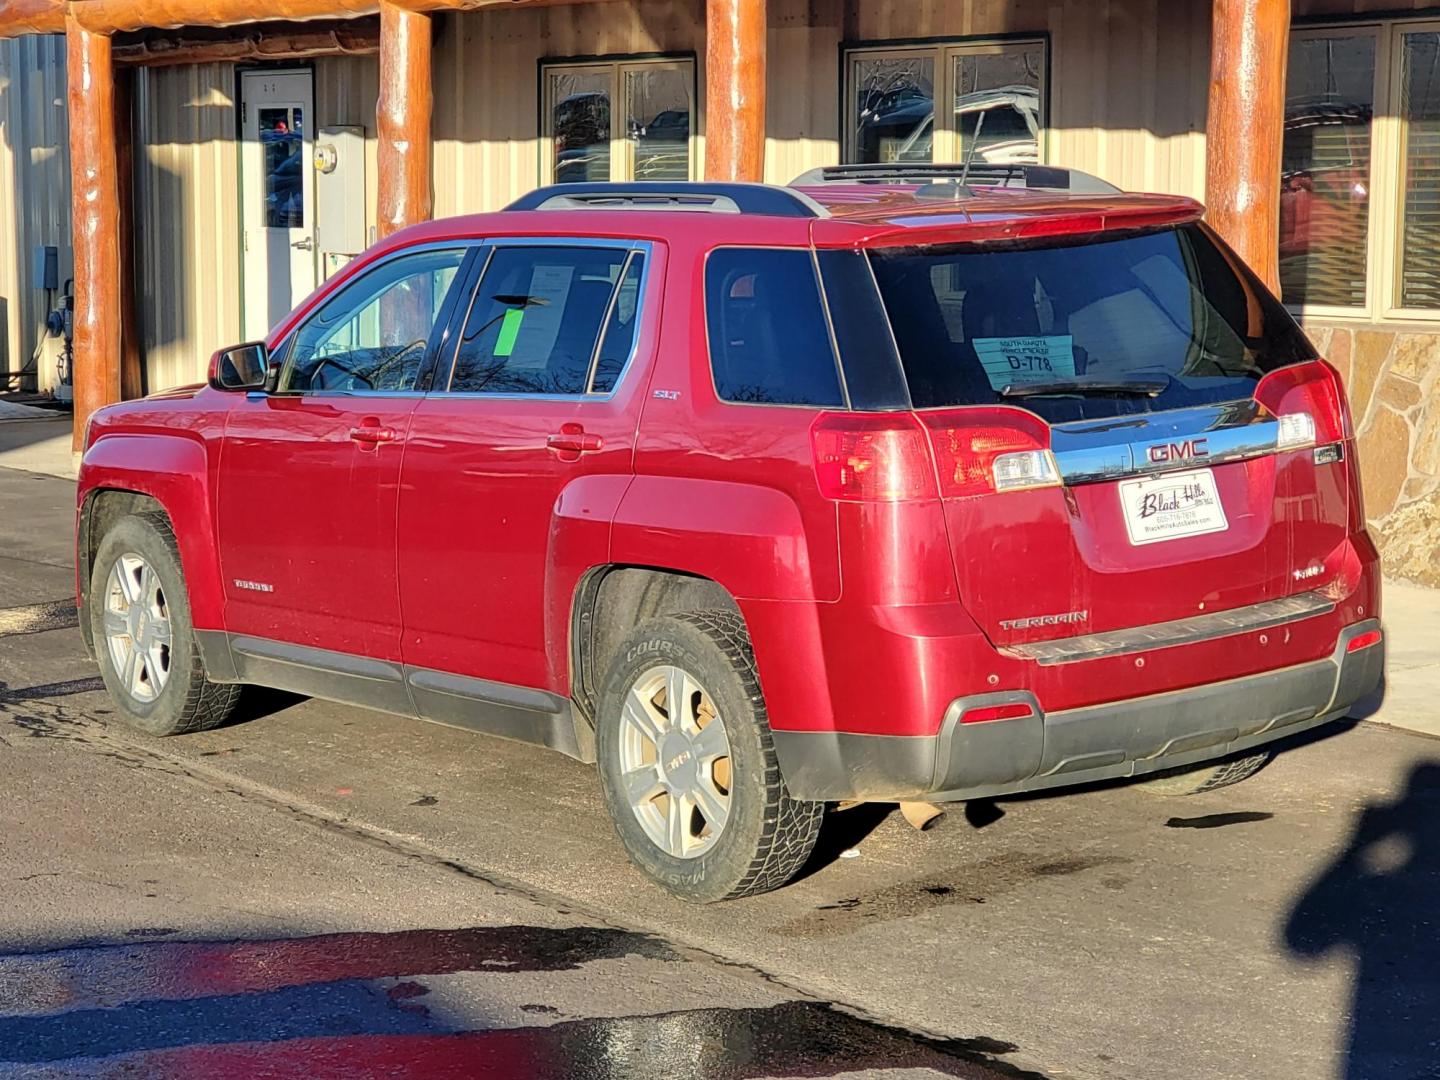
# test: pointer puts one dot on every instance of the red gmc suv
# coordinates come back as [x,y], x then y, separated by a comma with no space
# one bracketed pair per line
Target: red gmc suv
[885,486]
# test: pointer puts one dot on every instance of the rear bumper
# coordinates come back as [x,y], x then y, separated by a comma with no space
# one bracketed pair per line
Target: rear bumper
[1118,739]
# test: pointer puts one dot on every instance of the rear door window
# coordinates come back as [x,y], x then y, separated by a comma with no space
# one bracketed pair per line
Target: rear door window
[769,341]
[1100,327]
[535,322]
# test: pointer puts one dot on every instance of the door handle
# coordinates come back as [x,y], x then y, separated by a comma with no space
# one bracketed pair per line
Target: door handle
[372,435]
[574,439]
[306,244]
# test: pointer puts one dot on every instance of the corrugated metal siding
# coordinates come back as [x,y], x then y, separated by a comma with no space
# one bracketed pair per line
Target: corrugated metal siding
[187,193]
[34,188]
[346,89]
[802,100]
[187,231]
[1140,124]
[487,116]
[1127,98]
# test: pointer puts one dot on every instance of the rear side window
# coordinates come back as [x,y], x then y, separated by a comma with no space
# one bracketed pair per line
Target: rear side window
[769,343]
[536,320]
[1139,323]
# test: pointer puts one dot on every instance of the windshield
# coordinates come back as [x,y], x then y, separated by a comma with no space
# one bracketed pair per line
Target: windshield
[1137,323]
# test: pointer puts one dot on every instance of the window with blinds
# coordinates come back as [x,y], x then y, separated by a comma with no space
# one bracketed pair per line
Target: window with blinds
[1325,177]
[1419,285]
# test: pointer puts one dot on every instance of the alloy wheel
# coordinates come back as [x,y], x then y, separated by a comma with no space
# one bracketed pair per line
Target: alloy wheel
[137,627]
[675,761]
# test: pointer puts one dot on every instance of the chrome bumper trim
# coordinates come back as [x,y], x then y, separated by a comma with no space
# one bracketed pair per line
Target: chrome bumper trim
[1164,635]
[1091,451]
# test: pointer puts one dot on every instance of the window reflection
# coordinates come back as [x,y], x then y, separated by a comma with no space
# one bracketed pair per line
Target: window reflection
[580,126]
[283,146]
[1420,110]
[894,109]
[995,113]
[1325,175]
[372,334]
[997,106]
[657,120]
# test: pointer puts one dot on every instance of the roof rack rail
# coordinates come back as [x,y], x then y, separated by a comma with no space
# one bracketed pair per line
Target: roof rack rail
[979,173]
[720,198]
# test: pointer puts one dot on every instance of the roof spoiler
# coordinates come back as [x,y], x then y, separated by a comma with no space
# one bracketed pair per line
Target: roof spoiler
[948,177]
[717,198]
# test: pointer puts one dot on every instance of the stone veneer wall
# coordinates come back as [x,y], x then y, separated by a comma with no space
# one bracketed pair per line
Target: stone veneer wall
[1393,378]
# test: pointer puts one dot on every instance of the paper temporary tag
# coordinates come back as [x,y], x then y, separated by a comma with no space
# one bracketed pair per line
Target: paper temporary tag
[1015,361]
[509,331]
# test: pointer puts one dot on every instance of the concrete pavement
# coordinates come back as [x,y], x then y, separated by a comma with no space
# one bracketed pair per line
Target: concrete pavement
[38,444]
[1280,929]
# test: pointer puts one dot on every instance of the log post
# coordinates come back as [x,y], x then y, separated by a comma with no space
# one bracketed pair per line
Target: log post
[735,89]
[1245,129]
[402,119]
[95,222]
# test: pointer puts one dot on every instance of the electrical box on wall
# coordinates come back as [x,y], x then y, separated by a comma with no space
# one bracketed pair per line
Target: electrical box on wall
[45,271]
[340,198]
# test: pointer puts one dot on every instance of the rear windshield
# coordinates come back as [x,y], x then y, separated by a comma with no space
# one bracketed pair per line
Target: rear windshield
[1138,323]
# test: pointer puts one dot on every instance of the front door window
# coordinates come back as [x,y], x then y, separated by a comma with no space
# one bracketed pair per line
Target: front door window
[372,334]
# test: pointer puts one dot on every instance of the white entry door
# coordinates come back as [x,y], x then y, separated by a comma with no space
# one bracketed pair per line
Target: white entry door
[277,192]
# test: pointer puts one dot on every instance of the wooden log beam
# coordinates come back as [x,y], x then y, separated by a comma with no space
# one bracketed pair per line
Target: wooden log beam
[402,119]
[1245,129]
[735,89]
[255,42]
[95,222]
[124,16]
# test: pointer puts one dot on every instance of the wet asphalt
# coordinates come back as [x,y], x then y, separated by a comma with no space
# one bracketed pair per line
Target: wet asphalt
[322,891]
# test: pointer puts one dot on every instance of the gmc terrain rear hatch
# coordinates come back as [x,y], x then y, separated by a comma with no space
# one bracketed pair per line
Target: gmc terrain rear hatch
[1126,427]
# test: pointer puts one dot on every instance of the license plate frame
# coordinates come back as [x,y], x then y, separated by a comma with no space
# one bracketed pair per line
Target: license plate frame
[1172,506]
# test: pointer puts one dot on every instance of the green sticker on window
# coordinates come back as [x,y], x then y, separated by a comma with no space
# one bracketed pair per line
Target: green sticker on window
[509,331]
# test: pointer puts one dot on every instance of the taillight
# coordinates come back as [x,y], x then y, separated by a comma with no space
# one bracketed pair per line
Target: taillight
[864,458]
[980,451]
[1309,405]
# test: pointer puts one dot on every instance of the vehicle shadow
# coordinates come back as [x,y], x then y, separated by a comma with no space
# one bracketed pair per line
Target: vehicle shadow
[1380,902]
[258,702]
[840,831]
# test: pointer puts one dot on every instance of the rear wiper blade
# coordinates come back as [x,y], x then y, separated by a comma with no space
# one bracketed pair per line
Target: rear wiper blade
[1135,388]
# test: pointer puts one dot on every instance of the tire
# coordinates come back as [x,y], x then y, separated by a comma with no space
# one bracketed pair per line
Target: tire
[765,836]
[1217,774]
[167,692]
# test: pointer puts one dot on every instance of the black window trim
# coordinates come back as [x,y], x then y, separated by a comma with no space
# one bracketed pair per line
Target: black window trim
[808,250]
[445,372]
[439,331]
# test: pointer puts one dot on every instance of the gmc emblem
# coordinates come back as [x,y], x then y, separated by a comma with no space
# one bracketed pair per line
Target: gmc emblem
[1178,451]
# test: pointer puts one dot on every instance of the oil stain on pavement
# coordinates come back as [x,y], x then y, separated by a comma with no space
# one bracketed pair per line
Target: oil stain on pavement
[354,1005]
[972,883]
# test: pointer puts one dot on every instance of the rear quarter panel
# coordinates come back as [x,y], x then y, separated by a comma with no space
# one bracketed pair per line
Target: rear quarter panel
[728,492]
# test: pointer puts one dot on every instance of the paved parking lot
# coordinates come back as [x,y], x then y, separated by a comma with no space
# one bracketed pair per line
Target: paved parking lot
[317,886]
